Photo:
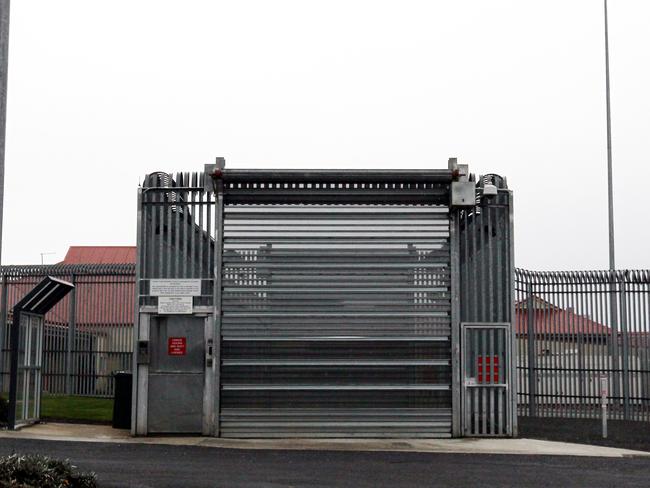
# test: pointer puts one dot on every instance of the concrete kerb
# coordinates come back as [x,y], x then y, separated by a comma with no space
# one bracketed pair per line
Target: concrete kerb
[101,433]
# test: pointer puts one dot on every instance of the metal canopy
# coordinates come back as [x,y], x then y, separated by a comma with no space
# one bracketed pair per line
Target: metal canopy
[27,348]
[43,296]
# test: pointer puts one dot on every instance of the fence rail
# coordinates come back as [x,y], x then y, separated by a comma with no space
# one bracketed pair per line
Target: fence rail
[87,336]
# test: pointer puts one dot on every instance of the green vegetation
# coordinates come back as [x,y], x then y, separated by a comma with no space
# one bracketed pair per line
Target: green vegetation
[67,407]
[64,407]
[30,471]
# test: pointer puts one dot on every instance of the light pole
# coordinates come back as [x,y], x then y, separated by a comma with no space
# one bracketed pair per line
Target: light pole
[610,189]
[4,53]
[619,383]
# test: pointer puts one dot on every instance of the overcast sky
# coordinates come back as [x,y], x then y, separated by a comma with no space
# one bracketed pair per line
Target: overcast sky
[101,93]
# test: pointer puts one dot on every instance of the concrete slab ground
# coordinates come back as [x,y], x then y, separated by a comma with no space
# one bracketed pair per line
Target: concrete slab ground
[106,434]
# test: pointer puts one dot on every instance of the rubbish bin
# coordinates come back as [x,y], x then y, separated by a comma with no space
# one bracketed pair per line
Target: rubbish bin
[122,400]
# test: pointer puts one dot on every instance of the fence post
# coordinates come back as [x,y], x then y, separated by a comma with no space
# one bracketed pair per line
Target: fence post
[532,359]
[626,352]
[3,330]
[614,354]
[580,339]
[72,320]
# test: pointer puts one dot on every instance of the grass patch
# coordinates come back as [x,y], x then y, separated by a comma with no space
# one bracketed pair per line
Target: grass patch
[72,408]
[64,407]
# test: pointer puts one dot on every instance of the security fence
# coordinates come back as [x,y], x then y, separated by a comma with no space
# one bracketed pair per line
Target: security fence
[576,328]
[573,328]
[87,336]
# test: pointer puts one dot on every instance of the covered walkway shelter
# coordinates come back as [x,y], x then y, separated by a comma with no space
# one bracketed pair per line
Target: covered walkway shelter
[26,350]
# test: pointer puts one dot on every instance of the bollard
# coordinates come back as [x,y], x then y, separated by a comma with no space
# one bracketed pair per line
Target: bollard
[603,402]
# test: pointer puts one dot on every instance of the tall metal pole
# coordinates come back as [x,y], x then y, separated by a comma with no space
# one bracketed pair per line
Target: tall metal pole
[610,189]
[4,54]
[614,350]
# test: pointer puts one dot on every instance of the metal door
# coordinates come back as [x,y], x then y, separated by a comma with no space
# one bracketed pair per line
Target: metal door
[30,357]
[336,321]
[485,369]
[176,374]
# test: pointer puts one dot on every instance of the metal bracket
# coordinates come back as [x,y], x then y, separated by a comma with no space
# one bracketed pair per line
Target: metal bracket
[213,181]
[463,188]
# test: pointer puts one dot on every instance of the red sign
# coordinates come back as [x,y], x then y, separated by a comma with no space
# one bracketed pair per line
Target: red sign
[176,346]
[490,369]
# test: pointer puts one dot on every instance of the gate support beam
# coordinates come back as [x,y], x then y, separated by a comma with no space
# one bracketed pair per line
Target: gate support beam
[454,242]
[218,292]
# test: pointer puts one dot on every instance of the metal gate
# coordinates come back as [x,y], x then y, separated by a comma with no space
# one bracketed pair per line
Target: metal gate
[486,372]
[336,321]
[335,296]
[30,360]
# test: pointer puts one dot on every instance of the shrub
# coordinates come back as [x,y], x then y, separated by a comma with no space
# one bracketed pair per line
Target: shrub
[4,411]
[31,471]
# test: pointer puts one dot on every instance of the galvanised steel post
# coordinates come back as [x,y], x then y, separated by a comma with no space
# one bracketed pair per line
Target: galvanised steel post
[510,242]
[532,357]
[218,295]
[3,328]
[614,335]
[626,350]
[72,321]
[454,242]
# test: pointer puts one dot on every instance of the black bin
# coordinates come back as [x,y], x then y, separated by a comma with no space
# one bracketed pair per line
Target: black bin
[122,401]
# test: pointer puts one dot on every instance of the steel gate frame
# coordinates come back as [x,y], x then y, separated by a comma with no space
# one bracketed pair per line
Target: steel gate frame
[216,188]
[487,416]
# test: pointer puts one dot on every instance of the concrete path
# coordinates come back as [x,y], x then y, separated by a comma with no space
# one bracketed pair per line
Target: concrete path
[105,434]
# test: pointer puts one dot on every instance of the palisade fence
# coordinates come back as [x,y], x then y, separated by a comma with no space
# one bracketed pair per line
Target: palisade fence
[87,336]
[572,329]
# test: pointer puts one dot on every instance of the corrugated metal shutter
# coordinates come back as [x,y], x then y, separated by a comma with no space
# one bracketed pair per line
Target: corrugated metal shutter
[336,321]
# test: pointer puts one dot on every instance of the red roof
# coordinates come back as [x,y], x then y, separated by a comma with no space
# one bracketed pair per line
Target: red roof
[102,300]
[100,255]
[552,320]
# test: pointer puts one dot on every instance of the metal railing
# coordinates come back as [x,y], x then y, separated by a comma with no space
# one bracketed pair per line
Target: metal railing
[87,336]
[574,328]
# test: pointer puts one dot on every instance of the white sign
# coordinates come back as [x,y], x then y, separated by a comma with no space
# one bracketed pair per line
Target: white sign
[174,305]
[175,288]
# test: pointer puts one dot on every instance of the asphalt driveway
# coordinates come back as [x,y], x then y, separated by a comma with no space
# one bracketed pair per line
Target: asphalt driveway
[141,465]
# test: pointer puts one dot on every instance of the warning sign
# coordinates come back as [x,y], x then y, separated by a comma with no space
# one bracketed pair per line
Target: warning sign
[491,368]
[178,288]
[176,346]
[174,305]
